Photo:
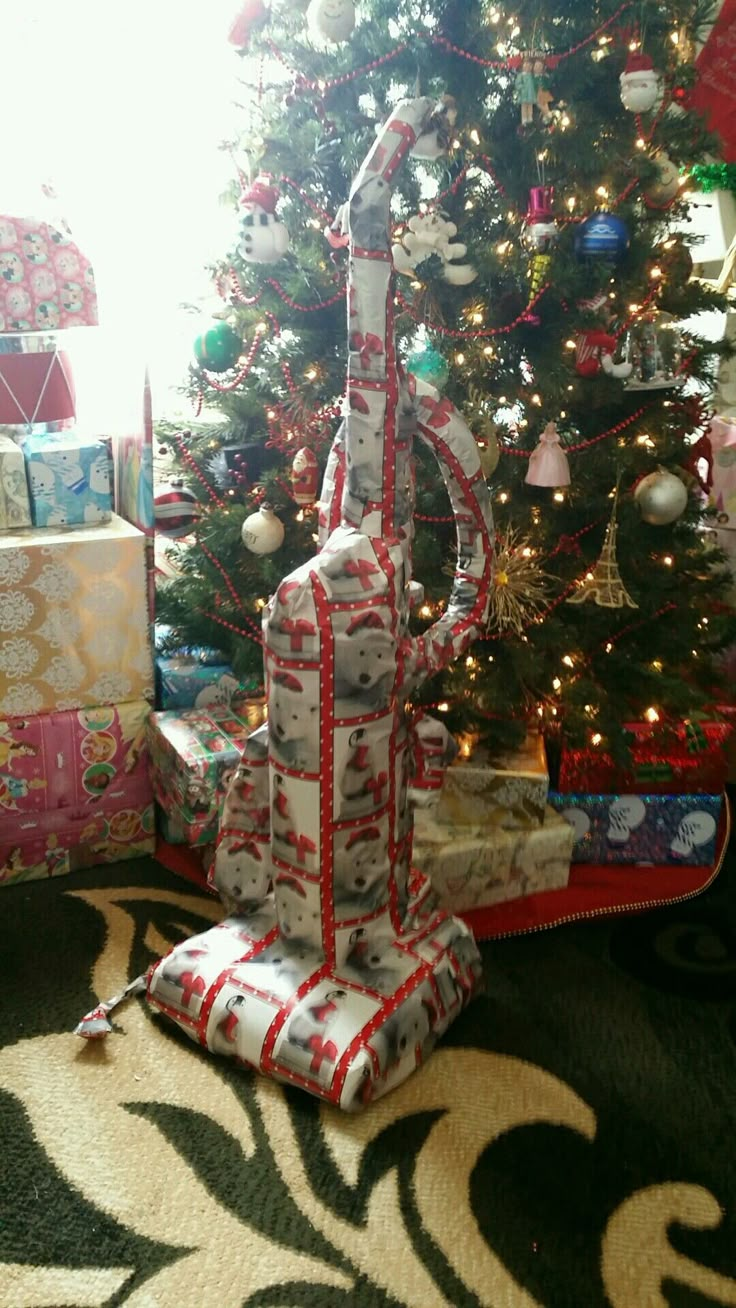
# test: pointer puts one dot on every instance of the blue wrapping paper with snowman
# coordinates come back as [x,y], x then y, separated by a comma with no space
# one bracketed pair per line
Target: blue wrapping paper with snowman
[70,479]
[645,829]
[335,971]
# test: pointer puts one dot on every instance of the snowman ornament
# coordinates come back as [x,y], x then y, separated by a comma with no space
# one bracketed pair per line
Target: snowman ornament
[331,20]
[263,238]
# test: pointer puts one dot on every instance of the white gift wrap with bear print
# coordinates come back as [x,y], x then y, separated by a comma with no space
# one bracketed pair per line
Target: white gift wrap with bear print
[337,973]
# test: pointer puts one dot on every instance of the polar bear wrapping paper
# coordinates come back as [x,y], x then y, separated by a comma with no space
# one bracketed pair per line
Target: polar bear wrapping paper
[70,479]
[46,283]
[74,618]
[338,974]
[646,829]
[15,504]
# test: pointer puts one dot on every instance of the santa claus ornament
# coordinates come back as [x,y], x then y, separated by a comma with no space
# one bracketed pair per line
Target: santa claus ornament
[304,476]
[639,84]
[594,352]
[264,239]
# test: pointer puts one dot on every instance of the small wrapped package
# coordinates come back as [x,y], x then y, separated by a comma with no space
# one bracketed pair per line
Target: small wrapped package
[689,759]
[645,829]
[349,1033]
[182,682]
[73,619]
[510,794]
[74,790]
[472,867]
[70,479]
[15,505]
[193,757]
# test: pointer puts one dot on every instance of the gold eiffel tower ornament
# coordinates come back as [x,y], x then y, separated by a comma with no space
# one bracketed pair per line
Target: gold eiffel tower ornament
[604,585]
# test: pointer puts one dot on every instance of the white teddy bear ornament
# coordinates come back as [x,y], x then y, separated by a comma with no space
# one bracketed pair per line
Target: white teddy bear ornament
[431,234]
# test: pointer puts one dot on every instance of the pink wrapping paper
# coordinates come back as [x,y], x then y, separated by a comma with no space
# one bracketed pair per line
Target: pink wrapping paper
[46,283]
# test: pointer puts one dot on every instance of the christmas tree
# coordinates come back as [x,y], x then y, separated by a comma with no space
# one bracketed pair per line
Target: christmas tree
[543,267]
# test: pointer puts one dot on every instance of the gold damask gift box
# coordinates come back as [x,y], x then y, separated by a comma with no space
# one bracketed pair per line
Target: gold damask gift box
[73,618]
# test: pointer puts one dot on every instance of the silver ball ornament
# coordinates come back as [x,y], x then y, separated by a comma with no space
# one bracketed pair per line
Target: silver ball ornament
[661,498]
[262,532]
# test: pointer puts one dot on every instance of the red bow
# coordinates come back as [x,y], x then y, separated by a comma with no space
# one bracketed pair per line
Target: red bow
[281,804]
[302,844]
[323,1050]
[247,846]
[376,786]
[363,569]
[296,629]
[192,985]
[228,1025]
[366,346]
[440,411]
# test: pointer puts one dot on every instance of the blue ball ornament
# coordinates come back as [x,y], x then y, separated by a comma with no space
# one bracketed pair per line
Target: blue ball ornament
[602,236]
[426,362]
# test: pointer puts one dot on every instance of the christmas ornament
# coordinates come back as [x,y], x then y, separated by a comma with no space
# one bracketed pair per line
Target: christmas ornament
[427,249]
[602,236]
[666,184]
[252,15]
[548,464]
[218,348]
[531,90]
[660,498]
[604,585]
[594,352]
[673,260]
[264,239]
[519,586]
[639,84]
[653,349]
[425,361]
[539,235]
[331,20]
[489,453]
[304,476]
[240,467]
[486,432]
[262,531]
[176,509]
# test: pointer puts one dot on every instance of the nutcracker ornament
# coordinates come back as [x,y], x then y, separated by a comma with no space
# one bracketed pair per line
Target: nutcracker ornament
[264,239]
[330,928]
[539,235]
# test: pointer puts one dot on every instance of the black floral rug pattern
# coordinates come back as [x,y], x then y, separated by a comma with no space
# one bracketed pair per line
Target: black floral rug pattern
[570,1144]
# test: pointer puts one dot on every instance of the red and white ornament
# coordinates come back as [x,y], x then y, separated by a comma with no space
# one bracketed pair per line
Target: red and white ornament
[639,84]
[264,239]
[251,15]
[263,531]
[594,354]
[176,509]
[304,476]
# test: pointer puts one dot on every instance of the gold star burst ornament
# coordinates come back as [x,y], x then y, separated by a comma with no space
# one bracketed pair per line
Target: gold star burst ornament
[519,587]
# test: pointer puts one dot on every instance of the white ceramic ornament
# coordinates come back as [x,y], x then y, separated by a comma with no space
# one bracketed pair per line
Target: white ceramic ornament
[431,234]
[667,182]
[262,531]
[331,20]
[264,239]
[639,84]
[661,497]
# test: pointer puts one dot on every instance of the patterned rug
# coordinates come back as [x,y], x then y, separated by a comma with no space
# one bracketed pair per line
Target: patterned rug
[571,1143]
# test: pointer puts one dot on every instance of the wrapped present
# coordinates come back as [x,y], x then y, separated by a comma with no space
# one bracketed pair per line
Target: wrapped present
[645,829]
[722,493]
[183,682]
[46,283]
[167,643]
[193,757]
[512,793]
[689,758]
[74,790]
[15,505]
[347,1033]
[470,867]
[36,386]
[73,619]
[70,477]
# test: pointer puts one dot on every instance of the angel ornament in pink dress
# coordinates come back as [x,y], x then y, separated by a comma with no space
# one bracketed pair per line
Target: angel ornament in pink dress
[548,464]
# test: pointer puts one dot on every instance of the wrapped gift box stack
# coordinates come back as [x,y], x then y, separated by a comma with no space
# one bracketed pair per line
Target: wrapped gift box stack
[661,808]
[194,753]
[195,676]
[491,836]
